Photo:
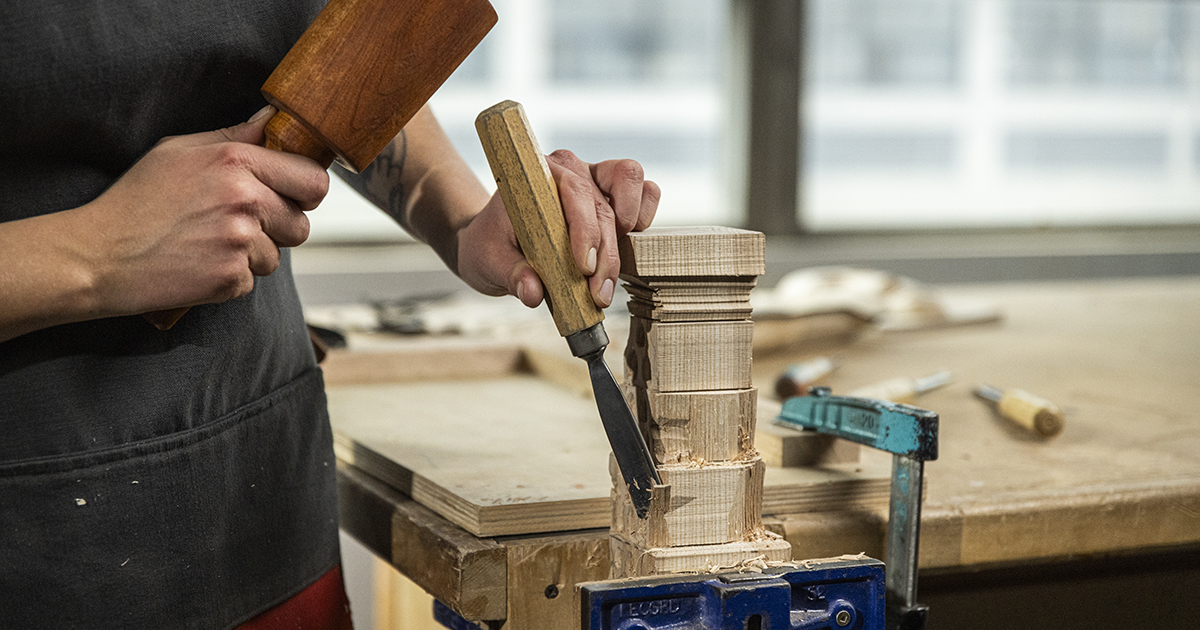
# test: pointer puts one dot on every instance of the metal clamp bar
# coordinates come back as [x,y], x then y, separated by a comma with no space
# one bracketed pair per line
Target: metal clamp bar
[903,538]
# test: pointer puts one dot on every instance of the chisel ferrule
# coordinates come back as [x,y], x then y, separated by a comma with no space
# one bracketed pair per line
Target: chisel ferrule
[588,341]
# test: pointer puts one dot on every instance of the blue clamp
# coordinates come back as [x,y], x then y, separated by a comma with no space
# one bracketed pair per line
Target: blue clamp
[910,435]
[895,428]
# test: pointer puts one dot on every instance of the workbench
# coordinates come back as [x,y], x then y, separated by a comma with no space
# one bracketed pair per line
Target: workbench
[1098,527]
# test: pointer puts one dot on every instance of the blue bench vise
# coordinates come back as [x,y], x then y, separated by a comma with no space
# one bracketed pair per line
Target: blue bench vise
[827,594]
[830,594]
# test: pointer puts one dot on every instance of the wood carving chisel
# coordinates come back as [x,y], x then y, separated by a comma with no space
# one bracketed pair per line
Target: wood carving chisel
[1027,410]
[798,377]
[902,390]
[531,199]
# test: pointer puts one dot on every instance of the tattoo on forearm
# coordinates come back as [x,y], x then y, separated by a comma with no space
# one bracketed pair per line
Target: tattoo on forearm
[382,181]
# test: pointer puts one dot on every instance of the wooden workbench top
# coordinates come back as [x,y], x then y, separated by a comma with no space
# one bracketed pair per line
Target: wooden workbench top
[1120,357]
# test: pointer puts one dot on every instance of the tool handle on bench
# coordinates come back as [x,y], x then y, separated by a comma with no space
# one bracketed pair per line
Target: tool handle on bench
[531,200]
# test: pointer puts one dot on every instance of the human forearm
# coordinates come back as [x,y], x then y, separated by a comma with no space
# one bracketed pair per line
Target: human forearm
[421,181]
[192,222]
[45,278]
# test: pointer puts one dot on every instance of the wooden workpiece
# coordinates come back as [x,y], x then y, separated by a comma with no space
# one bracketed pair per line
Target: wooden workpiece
[689,356]
[693,252]
[688,377]
[702,504]
[632,559]
[695,426]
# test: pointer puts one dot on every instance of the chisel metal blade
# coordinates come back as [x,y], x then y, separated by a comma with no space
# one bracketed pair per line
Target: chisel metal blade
[628,446]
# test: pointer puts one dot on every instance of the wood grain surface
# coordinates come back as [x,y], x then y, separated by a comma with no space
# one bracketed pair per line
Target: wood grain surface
[689,356]
[543,572]
[461,570]
[687,426]
[693,252]
[710,504]
[631,560]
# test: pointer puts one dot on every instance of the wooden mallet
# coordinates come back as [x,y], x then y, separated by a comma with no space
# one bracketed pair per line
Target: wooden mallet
[359,73]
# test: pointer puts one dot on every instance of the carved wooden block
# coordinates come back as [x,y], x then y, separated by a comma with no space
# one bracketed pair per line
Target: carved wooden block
[713,503]
[692,252]
[693,301]
[695,426]
[689,356]
[687,378]
[683,289]
[630,560]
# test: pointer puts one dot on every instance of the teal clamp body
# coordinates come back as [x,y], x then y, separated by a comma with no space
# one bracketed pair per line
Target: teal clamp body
[910,435]
[898,429]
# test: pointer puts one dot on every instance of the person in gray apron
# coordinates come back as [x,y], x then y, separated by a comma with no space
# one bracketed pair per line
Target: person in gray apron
[185,478]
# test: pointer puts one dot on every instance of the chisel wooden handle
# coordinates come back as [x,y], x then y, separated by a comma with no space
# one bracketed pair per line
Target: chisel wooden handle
[531,200]
[1031,411]
[1025,409]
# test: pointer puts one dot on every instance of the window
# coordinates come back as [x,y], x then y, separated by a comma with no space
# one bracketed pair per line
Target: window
[945,113]
[917,113]
[612,79]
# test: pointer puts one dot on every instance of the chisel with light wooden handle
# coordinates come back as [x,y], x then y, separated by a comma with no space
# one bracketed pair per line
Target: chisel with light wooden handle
[1027,410]
[531,199]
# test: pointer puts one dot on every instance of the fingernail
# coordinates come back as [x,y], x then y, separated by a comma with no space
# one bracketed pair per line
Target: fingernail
[591,262]
[260,113]
[606,292]
[521,292]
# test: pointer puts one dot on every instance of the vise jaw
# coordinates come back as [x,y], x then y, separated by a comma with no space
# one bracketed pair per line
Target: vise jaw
[839,593]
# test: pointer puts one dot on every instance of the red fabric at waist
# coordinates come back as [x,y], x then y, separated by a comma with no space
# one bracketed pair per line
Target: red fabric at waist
[321,606]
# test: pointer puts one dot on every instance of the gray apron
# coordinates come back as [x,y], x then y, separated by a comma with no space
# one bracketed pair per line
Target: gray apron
[177,479]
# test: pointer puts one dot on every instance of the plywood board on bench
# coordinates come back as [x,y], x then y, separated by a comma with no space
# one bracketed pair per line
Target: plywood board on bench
[517,455]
